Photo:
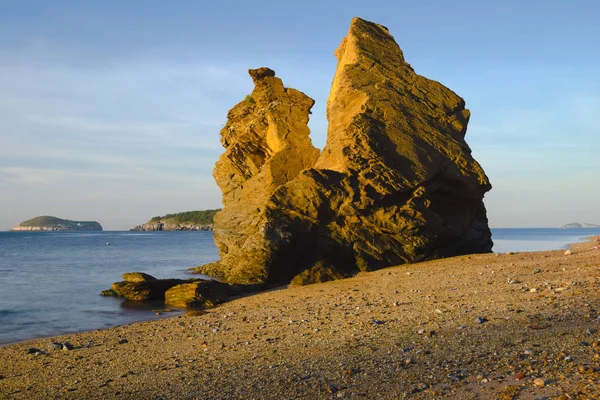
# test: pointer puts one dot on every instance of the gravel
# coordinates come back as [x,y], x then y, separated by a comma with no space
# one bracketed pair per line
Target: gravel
[348,339]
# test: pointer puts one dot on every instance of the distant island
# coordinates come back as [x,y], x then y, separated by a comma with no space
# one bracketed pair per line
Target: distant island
[48,223]
[185,221]
[576,225]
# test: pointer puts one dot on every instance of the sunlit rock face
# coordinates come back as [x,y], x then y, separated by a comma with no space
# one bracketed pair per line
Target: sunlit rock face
[395,183]
[267,145]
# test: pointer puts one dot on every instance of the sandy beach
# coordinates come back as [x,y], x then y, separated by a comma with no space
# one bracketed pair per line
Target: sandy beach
[523,326]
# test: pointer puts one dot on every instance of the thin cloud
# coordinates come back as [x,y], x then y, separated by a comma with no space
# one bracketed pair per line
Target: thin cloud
[31,176]
[44,176]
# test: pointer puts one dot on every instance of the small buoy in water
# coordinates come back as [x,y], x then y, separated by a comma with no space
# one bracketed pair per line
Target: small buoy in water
[108,243]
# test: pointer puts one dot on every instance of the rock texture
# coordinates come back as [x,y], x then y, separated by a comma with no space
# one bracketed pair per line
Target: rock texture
[137,277]
[267,145]
[200,294]
[139,286]
[396,182]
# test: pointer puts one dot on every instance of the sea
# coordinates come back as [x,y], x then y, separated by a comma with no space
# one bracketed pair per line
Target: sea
[50,282]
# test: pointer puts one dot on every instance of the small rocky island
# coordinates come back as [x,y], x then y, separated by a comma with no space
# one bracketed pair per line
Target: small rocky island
[48,223]
[577,225]
[184,221]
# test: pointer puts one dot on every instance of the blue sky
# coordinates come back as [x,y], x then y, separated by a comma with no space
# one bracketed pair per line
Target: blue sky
[111,110]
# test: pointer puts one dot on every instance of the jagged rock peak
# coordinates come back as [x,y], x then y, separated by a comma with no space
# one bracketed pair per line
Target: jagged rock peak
[260,73]
[374,85]
[267,129]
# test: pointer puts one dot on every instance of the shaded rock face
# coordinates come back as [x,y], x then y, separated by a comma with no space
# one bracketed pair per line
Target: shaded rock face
[395,183]
[139,286]
[318,273]
[267,145]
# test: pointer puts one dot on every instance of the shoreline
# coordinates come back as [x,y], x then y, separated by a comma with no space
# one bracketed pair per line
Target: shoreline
[401,331]
[586,244]
[581,241]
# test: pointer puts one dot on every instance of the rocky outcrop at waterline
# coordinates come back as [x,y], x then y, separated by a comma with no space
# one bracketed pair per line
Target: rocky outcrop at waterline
[396,182]
[138,286]
[187,293]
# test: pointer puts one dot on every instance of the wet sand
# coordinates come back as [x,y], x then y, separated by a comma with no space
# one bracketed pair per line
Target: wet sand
[522,325]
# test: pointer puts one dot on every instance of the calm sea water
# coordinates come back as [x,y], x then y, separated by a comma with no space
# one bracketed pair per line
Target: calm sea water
[538,239]
[50,281]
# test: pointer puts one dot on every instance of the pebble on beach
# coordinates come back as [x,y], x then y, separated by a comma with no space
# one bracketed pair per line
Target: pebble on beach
[539,382]
[56,346]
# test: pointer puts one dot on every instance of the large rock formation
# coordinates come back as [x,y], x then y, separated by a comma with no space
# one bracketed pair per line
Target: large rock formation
[267,145]
[396,182]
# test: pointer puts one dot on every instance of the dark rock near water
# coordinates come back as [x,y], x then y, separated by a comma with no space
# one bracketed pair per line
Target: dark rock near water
[147,290]
[395,183]
[200,294]
[139,286]
[109,293]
